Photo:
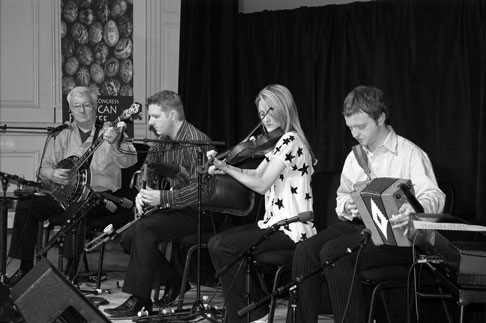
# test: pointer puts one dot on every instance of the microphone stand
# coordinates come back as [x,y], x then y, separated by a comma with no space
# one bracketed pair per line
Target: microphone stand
[292,285]
[187,142]
[198,304]
[248,254]
[6,179]
[8,313]
[201,170]
[3,230]
[5,129]
[92,200]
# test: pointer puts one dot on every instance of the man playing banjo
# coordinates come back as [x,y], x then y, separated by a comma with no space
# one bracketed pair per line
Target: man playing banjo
[101,172]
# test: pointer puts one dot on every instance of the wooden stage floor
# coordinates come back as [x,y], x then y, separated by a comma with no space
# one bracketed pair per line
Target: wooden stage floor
[115,264]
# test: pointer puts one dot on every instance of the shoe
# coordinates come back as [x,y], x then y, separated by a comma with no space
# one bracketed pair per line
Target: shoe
[171,292]
[263,319]
[8,311]
[16,277]
[131,307]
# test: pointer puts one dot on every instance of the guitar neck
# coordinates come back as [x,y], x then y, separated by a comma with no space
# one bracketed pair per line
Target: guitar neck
[95,145]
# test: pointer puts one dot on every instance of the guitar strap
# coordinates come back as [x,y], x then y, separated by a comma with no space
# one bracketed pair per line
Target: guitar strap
[98,127]
[362,159]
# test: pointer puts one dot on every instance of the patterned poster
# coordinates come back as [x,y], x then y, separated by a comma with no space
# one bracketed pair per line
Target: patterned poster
[97,51]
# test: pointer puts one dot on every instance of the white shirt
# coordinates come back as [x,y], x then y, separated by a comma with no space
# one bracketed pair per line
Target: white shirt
[106,164]
[397,157]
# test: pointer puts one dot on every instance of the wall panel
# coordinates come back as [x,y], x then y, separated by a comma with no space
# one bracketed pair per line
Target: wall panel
[30,71]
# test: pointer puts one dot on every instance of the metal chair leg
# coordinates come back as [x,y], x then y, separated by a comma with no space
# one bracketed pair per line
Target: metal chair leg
[185,276]
[374,295]
[276,282]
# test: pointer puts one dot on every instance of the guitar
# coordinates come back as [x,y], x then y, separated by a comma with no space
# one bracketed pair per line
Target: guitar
[77,189]
[139,181]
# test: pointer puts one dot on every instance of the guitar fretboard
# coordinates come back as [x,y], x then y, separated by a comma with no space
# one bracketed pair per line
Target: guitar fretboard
[98,141]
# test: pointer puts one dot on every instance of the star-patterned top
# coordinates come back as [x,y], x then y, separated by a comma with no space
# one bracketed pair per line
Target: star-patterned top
[291,194]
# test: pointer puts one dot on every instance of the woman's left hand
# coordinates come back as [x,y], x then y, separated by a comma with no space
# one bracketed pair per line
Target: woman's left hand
[218,167]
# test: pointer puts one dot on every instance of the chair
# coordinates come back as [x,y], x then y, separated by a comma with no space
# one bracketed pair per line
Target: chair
[279,262]
[390,277]
[189,244]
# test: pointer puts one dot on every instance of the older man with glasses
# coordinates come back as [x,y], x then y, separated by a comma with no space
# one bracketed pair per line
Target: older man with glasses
[103,172]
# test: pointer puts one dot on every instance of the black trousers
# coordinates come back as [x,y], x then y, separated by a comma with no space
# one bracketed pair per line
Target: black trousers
[147,262]
[227,246]
[29,212]
[336,282]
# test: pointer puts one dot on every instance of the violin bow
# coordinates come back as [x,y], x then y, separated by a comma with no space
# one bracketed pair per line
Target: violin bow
[258,125]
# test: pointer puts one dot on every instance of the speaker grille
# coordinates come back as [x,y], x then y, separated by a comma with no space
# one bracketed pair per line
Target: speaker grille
[44,295]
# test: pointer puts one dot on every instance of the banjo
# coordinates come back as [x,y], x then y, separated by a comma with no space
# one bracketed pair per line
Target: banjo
[79,173]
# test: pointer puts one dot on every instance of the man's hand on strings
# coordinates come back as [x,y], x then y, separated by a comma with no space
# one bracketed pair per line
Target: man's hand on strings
[110,133]
[147,197]
[61,176]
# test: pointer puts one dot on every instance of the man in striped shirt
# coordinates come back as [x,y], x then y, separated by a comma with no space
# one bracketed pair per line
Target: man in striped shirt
[175,158]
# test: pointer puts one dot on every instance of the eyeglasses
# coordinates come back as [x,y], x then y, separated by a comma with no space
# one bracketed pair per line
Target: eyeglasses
[85,106]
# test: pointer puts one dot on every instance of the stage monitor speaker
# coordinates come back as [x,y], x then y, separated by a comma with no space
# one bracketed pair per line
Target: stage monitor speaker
[45,295]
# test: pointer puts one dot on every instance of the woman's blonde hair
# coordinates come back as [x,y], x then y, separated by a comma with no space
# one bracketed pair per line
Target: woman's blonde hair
[283,109]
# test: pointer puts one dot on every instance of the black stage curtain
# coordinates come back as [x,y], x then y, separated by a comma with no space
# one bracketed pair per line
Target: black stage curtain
[428,56]
[207,82]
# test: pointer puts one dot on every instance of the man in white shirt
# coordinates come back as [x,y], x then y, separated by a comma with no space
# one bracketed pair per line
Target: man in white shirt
[389,155]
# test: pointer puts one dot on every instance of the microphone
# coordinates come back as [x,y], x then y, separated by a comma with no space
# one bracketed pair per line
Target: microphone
[302,217]
[110,206]
[51,130]
[123,202]
[411,198]
[365,237]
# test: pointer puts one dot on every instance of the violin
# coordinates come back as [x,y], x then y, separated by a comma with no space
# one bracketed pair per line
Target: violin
[252,148]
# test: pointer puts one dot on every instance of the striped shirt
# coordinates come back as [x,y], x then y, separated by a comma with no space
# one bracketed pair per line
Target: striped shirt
[176,164]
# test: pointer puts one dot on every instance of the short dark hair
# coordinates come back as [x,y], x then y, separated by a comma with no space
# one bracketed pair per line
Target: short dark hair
[168,101]
[367,99]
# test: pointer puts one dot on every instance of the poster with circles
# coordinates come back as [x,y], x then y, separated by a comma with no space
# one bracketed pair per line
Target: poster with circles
[97,52]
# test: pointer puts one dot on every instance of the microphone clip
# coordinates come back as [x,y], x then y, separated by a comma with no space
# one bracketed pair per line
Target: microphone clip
[365,237]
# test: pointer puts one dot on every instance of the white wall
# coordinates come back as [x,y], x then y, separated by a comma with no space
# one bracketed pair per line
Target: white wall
[30,71]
